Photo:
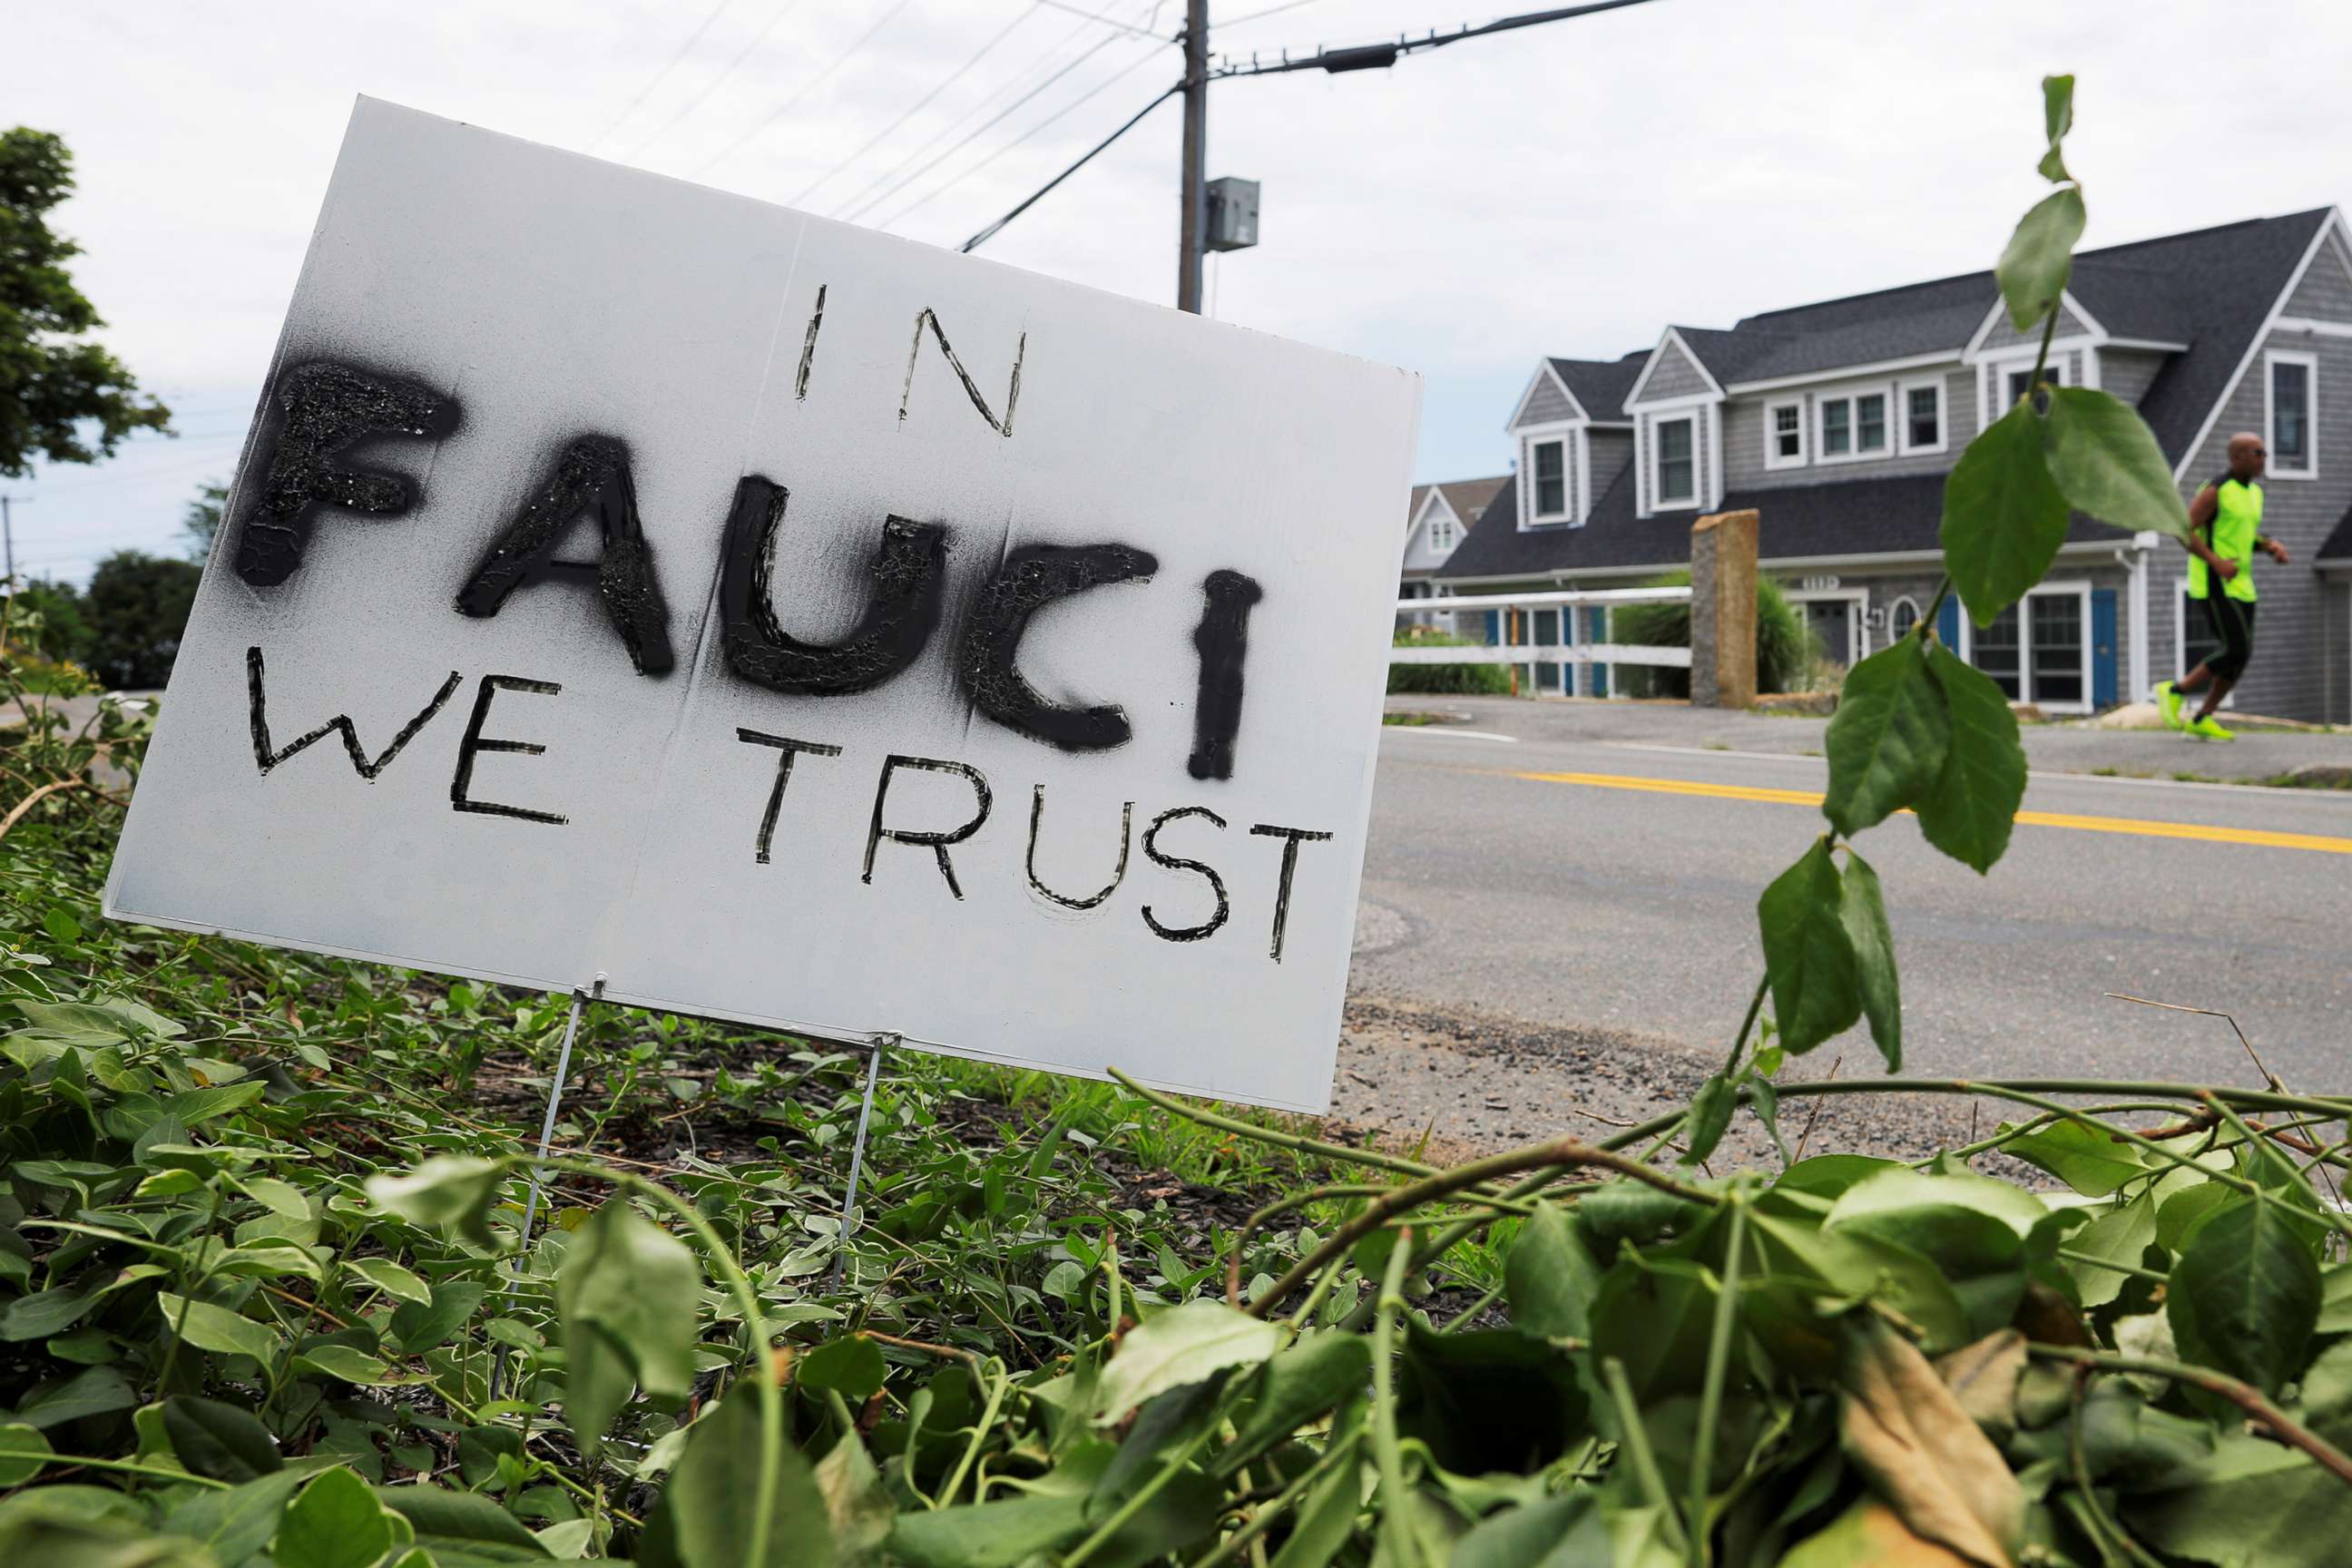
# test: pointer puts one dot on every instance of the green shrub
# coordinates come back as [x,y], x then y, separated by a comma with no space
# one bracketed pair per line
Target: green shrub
[1445,679]
[1785,646]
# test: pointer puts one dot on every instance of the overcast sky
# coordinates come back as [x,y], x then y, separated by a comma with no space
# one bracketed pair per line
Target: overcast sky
[1567,189]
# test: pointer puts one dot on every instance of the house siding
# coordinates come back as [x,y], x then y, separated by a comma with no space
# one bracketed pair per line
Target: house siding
[1547,404]
[2326,292]
[1675,375]
[2336,653]
[2291,676]
[1611,451]
[2128,372]
[2005,335]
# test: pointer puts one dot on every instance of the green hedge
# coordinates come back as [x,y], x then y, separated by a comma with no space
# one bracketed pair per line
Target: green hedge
[1784,642]
[1444,680]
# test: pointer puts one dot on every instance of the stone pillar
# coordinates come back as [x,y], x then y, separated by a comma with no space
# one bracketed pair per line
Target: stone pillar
[1723,610]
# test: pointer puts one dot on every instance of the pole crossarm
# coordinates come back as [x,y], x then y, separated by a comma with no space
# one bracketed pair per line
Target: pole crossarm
[1381,56]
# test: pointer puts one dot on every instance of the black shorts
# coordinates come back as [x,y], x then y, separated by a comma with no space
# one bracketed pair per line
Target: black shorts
[2232,621]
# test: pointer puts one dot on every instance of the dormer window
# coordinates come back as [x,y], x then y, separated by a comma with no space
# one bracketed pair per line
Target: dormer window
[1441,536]
[1678,461]
[1551,478]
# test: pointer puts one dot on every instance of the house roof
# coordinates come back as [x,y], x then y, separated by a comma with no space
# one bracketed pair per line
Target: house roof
[1468,497]
[1601,385]
[2338,549]
[2211,289]
[1847,517]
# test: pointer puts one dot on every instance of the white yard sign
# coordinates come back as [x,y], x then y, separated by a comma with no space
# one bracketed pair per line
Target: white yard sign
[791,623]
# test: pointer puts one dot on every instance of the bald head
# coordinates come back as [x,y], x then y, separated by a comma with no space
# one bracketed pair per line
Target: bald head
[2246,457]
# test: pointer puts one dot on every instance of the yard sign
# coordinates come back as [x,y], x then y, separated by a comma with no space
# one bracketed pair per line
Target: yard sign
[793,624]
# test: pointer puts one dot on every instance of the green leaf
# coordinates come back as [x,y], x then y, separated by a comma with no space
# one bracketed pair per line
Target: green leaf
[851,1364]
[450,1192]
[2040,257]
[93,1392]
[1710,1117]
[989,1535]
[419,1328]
[2093,1161]
[392,1279]
[43,1313]
[333,1522]
[2253,1292]
[1565,1531]
[201,1105]
[2104,458]
[1863,912]
[627,1294]
[219,1440]
[2004,517]
[2184,1211]
[1972,807]
[1298,1386]
[23,1452]
[237,1523]
[2335,1300]
[1488,1400]
[1809,958]
[712,1493]
[2120,1236]
[2057,107]
[856,1504]
[1887,741]
[2253,1504]
[216,1328]
[462,1527]
[1974,1239]
[1654,1315]
[1551,1277]
[281,1197]
[348,1363]
[1182,1345]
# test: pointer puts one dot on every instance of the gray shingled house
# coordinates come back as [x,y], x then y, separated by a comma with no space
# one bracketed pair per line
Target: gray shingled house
[1436,520]
[1838,422]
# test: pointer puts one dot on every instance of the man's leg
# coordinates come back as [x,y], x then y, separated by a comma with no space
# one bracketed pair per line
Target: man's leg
[2221,685]
[2194,680]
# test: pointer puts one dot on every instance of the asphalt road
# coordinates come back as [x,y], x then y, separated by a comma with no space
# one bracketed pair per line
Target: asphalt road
[1624,900]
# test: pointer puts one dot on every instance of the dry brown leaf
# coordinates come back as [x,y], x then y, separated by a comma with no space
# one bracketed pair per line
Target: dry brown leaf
[1983,1378]
[1870,1535]
[1924,1454]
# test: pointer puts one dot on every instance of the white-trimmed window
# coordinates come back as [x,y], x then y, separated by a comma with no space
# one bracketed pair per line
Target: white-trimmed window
[1441,534]
[1853,424]
[1675,442]
[2291,398]
[2013,379]
[2039,650]
[1902,617]
[1784,435]
[1922,416]
[1548,465]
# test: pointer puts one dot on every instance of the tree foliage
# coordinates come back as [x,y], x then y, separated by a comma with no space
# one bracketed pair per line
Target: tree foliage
[62,397]
[137,605]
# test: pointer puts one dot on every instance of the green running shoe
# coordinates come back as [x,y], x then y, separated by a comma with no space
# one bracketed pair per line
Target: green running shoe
[2205,729]
[2167,700]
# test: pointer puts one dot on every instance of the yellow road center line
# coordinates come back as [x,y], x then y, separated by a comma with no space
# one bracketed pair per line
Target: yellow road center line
[2138,826]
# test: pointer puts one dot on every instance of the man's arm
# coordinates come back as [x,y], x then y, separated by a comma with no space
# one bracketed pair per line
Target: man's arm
[2200,518]
[2276,551]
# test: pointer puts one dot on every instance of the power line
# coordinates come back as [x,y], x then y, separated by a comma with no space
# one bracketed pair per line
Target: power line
[1002,87]
[691,104]
[921,104]
[660,76]
[810,85]
[1106,21]
[924,200]
[982,238]
[118,478]
[994,120]
[1269,11]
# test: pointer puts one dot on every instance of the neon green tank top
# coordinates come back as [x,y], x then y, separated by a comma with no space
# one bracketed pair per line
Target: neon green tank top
[2237,521]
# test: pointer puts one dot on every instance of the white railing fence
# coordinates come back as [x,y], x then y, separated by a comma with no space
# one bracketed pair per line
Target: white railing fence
[1518,611]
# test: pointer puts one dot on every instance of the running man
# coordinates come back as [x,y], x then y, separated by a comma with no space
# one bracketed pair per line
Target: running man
[2225,524]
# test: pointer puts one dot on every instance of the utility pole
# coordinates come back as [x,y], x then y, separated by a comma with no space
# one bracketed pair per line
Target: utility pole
[1192,182]
[8,535]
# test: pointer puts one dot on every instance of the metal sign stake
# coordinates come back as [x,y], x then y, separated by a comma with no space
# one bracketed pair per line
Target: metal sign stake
[580,1000]
[858,1156]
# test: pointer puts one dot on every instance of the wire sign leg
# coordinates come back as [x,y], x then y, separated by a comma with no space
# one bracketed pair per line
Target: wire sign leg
[857,1156]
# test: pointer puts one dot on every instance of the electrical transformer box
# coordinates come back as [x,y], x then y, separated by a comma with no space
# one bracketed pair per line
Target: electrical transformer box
[1232,214]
